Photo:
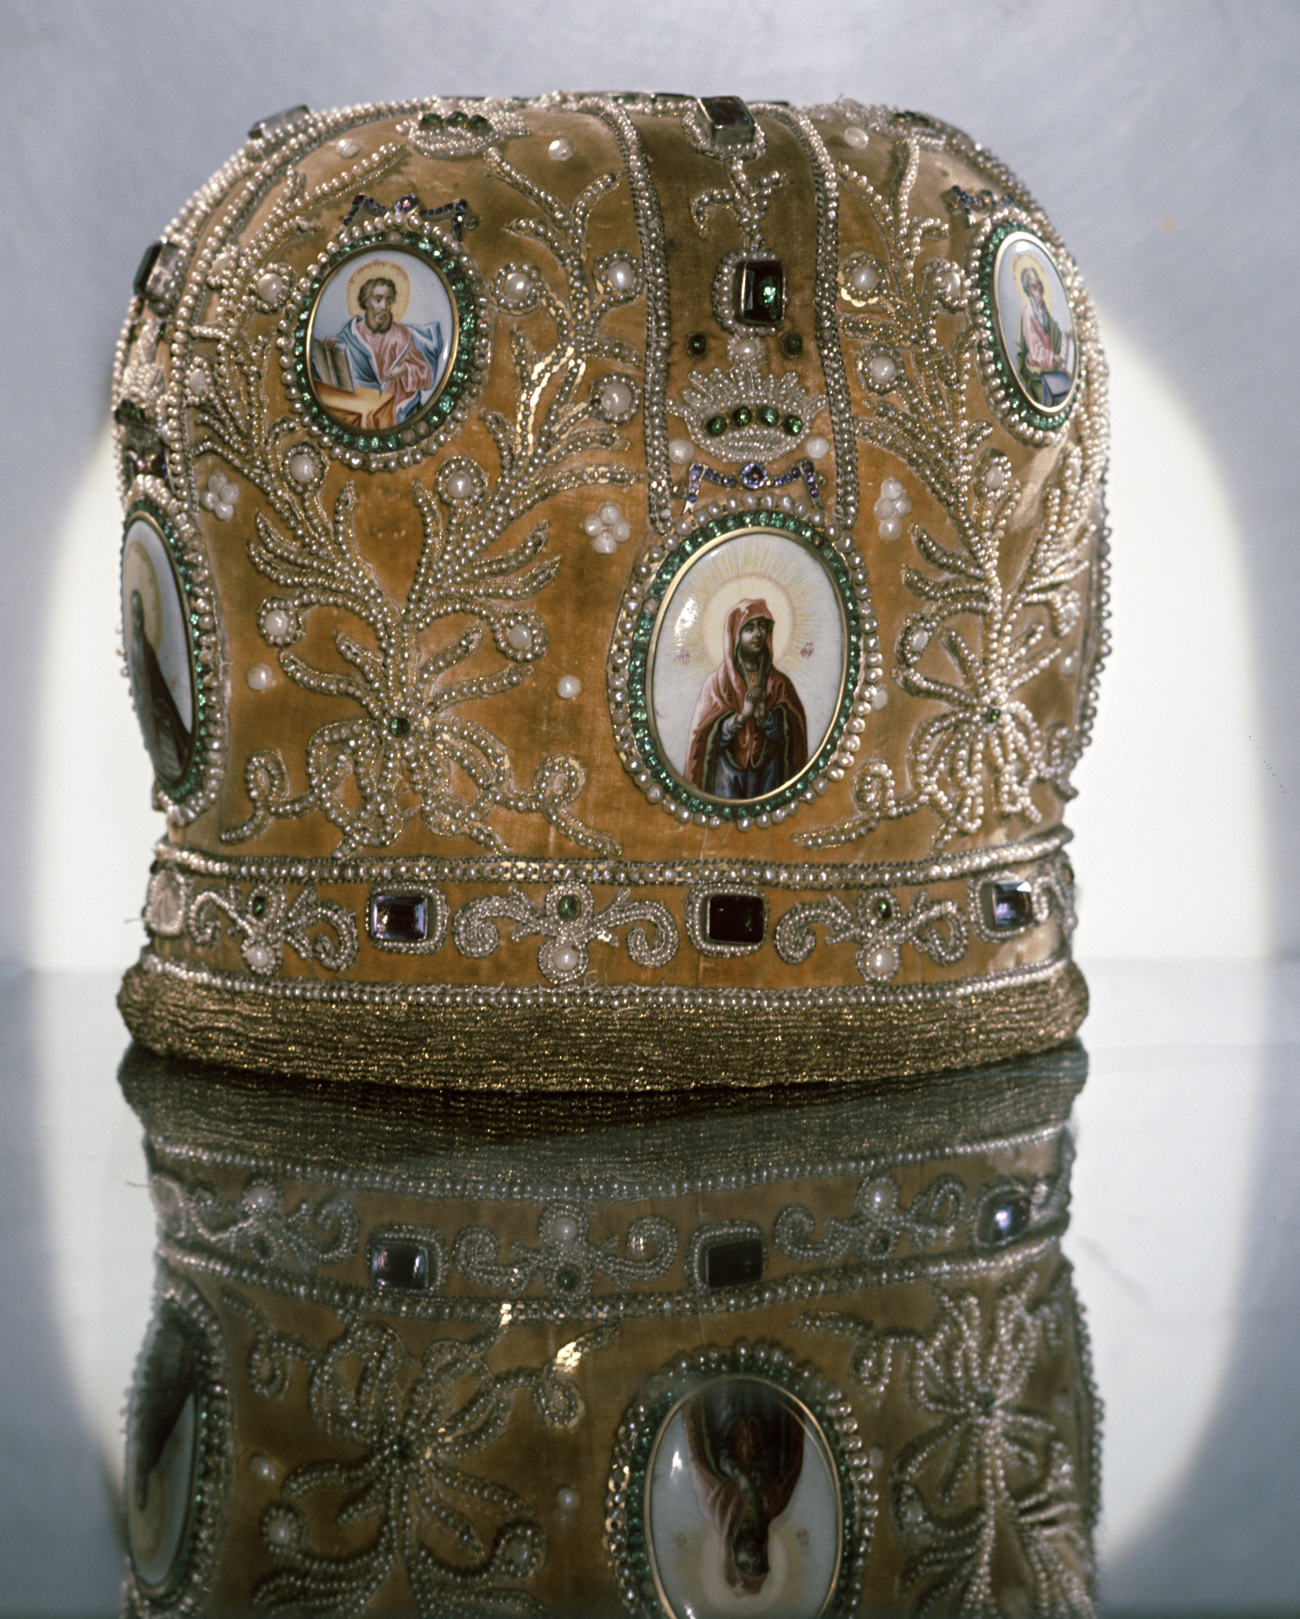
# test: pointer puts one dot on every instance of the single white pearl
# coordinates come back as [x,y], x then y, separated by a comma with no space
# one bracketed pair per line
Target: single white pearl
[275,624]
[622,275]
[566,1499]
[876,1456]
[609,512]
[902,506]
[879,697]
[262,1467]
[592,524]
[302,467]
[948,280]
[881,1196]
[996,476]
[855,135]
[568,685]
[749,348]
[270,288]
[621,530]
[680,451]
[891,489]
[260,676]
[198,382]
[520,637]
[817,446]
[565,959]
[224,510]
[460,485]
[565,1228]
[616,399]
[884,507]
[516,284]
[260,1197]
[257,956]
[921,640]
[864,278]
[890,529]
[560,149]
[1069,663]
[883,369]
[280,1530]
[209,499]
[604,542]
[883,961]
[347,147]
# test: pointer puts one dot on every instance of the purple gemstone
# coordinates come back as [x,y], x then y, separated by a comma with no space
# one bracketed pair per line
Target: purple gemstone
[1012,904]
[753,475]
[398,1262]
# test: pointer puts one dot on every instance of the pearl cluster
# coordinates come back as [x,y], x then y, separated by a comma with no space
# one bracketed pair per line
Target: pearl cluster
[890,509]
[607,528]
[219,497]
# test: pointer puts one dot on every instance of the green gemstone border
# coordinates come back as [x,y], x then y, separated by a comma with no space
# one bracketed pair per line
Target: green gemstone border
[199,665]
[856,624]
[1009,393]
[642,1424]
[459,379]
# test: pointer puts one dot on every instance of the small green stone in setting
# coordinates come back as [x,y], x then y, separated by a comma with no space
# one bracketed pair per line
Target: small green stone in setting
[792,345]
[993,715]
[793,426]
[716,426]
[769,415]
[696,344]
[742,415]
[883,909]
[566,1279]
[257,905]
[399,725]
[567,907]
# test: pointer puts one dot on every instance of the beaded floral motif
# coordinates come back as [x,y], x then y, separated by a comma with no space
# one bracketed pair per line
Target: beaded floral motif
[414,1423]
[878,926]
[992,1485]
[568,923]
[258,1227]
[567,1260]
[407,752]
[985,751]
[266,922]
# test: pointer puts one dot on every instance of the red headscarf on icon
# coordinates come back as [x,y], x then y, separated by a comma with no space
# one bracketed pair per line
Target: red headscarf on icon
[753,761]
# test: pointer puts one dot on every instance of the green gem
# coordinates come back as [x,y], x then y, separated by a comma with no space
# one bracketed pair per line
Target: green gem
[742,415]
[566,1278]
[696,344]
[257,905]
[993,715]
[883,909]
[567,907]
[792,345]
[769,415]
[716,426]
[793,426]
[399,725]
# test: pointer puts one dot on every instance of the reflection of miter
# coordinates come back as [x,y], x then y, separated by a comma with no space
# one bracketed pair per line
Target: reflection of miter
[382,269]
[1028,261]
[356,1286]
[473,854]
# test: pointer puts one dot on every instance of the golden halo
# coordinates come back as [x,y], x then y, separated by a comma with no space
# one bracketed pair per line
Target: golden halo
[389,271]
[713,621]
[1028,260]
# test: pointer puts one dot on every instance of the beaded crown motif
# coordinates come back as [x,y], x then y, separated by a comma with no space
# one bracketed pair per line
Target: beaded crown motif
[609,582]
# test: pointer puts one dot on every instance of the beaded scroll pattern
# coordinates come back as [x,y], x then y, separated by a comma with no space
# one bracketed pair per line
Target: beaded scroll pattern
[407,745]
[991,1474]
[413,1423]
[985,751]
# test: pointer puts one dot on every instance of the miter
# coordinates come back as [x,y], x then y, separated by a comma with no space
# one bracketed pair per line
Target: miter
[613,592]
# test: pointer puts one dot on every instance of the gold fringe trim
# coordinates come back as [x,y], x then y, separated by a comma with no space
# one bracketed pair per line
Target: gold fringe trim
[599,1048]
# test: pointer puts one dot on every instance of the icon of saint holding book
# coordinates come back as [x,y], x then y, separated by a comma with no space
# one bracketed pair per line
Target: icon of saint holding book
[376,371]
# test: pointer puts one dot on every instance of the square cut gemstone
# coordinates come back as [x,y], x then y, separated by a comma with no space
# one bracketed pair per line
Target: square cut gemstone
[733,1261]
[399,918]
[760,292]
[1005,1220]
[399,1262]
[733,919]
[279,123]
[730,121]
[1012,904]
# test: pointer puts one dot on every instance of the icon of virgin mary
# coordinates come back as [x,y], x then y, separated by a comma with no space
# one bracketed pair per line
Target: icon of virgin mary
[749,733]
